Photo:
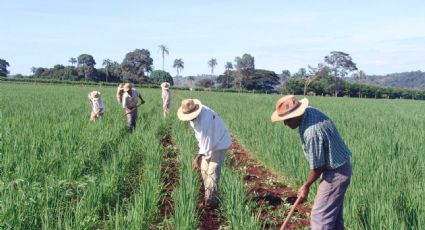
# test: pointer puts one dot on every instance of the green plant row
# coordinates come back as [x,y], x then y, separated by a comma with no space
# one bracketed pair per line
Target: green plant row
[185,196]
[59,171]
[237,208]
[383,135]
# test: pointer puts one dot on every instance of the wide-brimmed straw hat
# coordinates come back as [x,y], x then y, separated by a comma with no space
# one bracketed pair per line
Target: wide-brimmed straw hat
[127,86]
[189,109]
[289,107]
[95,94]
[165,85]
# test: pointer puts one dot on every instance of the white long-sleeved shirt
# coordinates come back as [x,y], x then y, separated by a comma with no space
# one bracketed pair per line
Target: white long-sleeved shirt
[166,98]
[130,101]
[210,131]
[97,104]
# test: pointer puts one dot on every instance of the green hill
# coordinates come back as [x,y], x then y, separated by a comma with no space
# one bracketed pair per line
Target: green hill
[408,80]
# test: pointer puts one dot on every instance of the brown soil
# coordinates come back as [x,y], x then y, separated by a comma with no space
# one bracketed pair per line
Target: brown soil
[169,170]
[209,218]
[272,198]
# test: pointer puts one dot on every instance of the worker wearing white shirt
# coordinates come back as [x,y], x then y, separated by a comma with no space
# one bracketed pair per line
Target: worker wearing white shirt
[213,141]
[166,98]
[96,104]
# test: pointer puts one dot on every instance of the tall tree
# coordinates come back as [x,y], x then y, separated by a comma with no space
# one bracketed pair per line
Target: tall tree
[72,61]
[86,64]
[359,77]
[301,73]
[314,73]
[212,63]
[205,83]
[159,76]
[33,70]
[178,65]
[228,67]
[340,63]
[262,80]
[164,51]
[244,69]
[136,64]
[108,67]
[285,76]
[3,68]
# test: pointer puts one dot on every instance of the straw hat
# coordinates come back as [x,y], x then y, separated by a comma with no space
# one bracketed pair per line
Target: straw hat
[189,109]
[289,107]
[165,85]
[95,94]
[127,86]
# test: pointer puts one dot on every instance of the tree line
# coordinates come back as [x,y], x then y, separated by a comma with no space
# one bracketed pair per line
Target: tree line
[328,78]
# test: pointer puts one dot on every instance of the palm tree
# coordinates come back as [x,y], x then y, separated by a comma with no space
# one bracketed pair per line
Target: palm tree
[228,67]
[108,64]
[164,50]
[178,64]
[72,61]
[212,63]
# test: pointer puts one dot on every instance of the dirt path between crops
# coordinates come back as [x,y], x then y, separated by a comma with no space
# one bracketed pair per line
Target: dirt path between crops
[170,171]
[210,219]
[271,197]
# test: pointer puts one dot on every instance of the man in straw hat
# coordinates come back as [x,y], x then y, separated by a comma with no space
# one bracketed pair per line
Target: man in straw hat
[328,157]
[166,98]
[213,142]
[129,103]
[96,105]
[120,92]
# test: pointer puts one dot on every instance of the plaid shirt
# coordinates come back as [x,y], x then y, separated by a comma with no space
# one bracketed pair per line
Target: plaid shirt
[321,142]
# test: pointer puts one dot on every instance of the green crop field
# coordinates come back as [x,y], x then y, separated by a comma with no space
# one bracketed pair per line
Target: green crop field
[60,171]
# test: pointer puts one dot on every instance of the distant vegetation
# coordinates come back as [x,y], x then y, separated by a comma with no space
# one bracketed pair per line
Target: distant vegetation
[337,75]
[408,80]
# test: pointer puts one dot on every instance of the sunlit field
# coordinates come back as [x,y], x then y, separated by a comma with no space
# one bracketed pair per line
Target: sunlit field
[58,170]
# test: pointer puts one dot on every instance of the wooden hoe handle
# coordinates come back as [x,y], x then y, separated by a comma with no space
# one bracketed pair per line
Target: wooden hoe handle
[290,214]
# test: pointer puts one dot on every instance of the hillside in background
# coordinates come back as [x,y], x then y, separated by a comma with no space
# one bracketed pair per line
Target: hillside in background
[408,80]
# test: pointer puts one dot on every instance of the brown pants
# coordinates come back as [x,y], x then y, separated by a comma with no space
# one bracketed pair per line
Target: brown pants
[327,211]
[210,171]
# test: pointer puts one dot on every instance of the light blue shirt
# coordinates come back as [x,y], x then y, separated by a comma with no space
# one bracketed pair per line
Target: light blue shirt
[321,142]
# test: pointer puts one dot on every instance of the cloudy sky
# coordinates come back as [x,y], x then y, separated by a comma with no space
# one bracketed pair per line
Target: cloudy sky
[381,36]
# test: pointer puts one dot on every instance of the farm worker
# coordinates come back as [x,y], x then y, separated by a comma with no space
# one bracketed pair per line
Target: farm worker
[327,155]
[129,103]
[120,92]
[96,105]
[166,98]
[213,142]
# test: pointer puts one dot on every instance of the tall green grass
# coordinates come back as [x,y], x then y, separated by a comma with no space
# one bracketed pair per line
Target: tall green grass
[235,203]
[59,171]
[185,196]
[385,137]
